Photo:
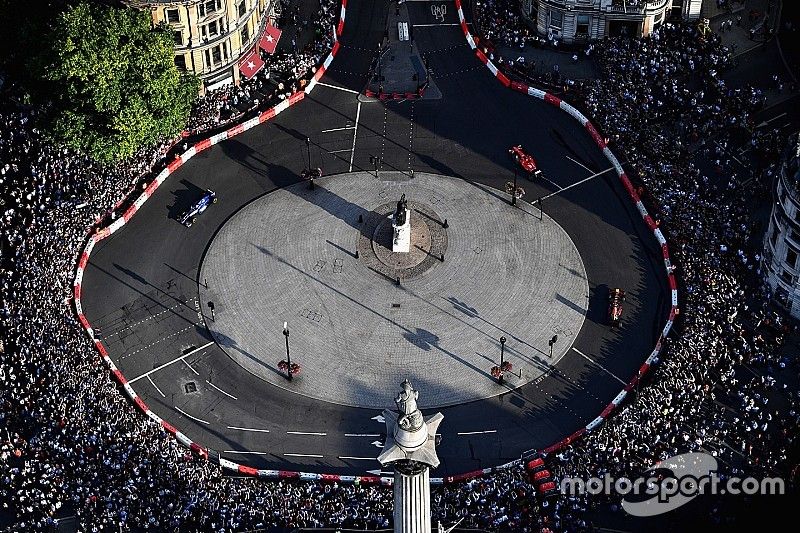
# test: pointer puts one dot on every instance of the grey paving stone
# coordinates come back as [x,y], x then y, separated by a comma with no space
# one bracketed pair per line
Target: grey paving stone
[291,256]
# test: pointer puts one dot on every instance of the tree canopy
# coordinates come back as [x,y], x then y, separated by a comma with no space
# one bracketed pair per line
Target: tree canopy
[110,80]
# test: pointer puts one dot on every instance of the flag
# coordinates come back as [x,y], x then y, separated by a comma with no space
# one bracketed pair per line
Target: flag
[269,39]
[251,64]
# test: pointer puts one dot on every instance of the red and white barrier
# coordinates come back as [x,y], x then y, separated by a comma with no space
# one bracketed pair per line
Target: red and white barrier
[601,143]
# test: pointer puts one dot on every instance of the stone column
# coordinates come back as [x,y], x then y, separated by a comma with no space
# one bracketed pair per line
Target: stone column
[412,499]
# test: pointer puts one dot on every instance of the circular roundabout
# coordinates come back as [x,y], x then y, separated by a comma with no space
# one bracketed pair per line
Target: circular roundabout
[361,316]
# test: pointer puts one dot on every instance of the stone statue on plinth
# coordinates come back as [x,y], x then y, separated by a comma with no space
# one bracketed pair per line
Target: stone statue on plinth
[401,224]
[410,448]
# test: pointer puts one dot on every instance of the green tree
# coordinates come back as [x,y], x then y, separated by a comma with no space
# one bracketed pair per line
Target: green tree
[111,80]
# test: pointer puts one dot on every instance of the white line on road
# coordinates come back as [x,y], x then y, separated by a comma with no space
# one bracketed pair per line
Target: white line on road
[187,415]
[584,180]
[579,163]
[599,365]
[338,129]
[339,151]
[361,435]
[355,135]
[345,89]
[156,387]
[170,362]
[245,451]
[318,434]
[222,391]
[249,429]
[437,24]
[358,458]
[196,373]
[477,432]
[302,455]
[556,185]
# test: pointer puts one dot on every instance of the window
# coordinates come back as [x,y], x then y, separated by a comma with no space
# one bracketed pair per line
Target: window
[208,7]
[173,16]
[556,18]
[774,237]
[245,33]
[583,25]
[791,258]
[210,30]
[177,36]
[242,8]
[794,236]
[180,62]
[215,55]
[786,277]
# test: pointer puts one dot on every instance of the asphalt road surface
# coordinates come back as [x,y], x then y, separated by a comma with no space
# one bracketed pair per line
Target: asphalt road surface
[141,285]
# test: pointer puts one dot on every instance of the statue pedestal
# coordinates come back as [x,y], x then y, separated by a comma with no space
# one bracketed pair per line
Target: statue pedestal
[401,241]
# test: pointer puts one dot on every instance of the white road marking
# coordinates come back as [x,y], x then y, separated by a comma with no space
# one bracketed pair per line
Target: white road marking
[358,458]
[361,435]
[249,429]
[556,185]
[156,387]
[196,373]
[187,415]
[338,129]
[339,151]
[477,432]
[584,180]
[131,326]
[170,362]
[175,334]
[438,24]
[579,164]
[355,135]
[345,89]
[599,365]
[245,451]
[222,391]
[302,455]
[318,434]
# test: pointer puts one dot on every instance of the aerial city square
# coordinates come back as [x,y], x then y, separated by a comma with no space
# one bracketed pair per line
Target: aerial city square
[399,265]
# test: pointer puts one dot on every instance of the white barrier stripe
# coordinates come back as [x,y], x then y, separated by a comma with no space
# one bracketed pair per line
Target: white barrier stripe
[621,396]
[460,14]
[471,41]
[310,86]
[190,153]
[537,93]
[328,61]
[230,465]
[660,236]
[281,107]
[117,224]
[154,417]
[130,391]
[183,439]
[594,423]
[78,280]
[89,246]
[140,201]
[492,68]
[667,328]
[613,159]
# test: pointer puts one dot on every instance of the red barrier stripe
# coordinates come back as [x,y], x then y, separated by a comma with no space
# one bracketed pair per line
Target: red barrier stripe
[199,450]
[84,322]
[140,404]
[650,222]
[248,470]
[369,480]
[84,260]
[169,427]
[296,97]
[76,294]
[236,130]
[673,284]
[266,115]
[672,313]
[481,56]
[464,27]
[335,49]
[330,477]
[503,79]
[120,377]
[176,164]
[632,383]
[643,369]
[595,135]
[521,87]
[100,348]
[202,145]
[288,474]
[549,98]
[151,188]
[607,410]
[576,435]
[340,27]
[130,212]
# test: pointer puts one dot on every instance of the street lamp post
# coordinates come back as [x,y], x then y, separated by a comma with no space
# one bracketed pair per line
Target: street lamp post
[514,192]
[502,355]
[311,173]
[288,360]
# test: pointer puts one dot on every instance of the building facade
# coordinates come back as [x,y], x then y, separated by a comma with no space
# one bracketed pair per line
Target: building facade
[211,35]
[576,21]
[780,263]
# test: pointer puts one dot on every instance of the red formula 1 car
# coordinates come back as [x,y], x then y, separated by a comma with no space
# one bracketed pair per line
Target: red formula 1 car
[526,161]
[615,299]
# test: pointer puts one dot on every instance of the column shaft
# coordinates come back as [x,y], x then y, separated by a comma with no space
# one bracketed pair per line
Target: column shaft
[412,502]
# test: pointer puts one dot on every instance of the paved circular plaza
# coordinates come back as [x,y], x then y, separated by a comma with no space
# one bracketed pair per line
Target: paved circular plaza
[321,260]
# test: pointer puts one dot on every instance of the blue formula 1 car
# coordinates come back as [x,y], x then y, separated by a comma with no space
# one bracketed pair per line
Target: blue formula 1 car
[190,216]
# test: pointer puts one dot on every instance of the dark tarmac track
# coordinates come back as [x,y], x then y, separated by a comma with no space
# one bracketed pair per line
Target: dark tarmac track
[140,288]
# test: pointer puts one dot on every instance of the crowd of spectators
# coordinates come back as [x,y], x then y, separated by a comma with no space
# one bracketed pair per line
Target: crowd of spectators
[71,444]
